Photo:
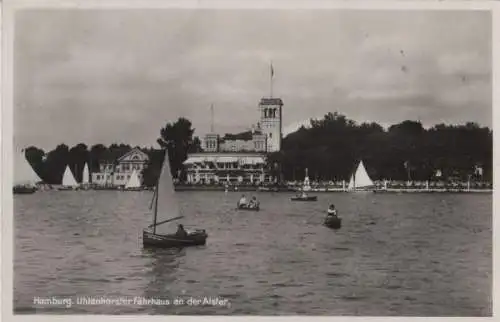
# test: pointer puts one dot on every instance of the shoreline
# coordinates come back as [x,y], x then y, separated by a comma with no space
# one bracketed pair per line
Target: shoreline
[181,188]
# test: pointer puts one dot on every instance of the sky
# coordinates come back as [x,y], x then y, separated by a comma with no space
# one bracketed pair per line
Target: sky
[118,76]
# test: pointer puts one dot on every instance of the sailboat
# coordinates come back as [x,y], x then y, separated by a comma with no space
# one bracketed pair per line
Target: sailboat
[68,181]
[305,187]
[166,210]
[86,177]
[360,180]
[25,178]
[133,184]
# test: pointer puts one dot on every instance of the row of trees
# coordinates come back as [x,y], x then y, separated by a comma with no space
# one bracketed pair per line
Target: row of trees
[330,148]
[177,136]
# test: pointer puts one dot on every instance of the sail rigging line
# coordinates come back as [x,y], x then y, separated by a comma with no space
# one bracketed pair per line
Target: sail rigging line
[156,208]
[165,221]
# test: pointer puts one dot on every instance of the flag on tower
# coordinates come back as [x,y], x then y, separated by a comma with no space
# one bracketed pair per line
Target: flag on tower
[272,70]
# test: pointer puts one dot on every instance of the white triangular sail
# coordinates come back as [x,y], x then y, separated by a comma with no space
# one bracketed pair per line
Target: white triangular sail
[24,175]
[360,179]
[307,184]
[167,206]
[68,179]
[86,175]
[134,181]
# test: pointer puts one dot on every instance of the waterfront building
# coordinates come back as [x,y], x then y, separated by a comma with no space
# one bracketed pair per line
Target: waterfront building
[227,168]
[241,157]
[115,173]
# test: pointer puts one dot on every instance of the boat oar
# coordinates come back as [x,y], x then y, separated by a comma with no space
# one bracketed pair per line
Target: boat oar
[165,221]
[305,221]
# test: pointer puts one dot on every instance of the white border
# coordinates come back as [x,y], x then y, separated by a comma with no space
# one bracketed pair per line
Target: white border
[6,118]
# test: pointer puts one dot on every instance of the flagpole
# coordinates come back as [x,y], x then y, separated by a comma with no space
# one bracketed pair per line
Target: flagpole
[271,79]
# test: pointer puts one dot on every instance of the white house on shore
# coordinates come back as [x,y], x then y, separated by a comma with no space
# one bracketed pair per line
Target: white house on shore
[117,172]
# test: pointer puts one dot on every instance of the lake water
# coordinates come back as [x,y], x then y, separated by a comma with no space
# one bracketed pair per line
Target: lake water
[406,254]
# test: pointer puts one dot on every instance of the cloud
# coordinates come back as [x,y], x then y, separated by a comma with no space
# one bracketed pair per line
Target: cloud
[119,75]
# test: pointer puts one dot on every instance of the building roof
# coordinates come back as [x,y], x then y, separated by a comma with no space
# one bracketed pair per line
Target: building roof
[271,101]
[244,136]
[110,157]
[134,150]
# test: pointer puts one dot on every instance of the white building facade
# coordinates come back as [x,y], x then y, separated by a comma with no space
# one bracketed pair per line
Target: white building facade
[115,174]
[230,168]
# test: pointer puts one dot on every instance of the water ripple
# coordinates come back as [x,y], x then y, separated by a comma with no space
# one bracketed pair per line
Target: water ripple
[395,255]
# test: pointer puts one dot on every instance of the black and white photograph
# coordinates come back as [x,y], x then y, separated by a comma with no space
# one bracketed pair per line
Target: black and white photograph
[244,161]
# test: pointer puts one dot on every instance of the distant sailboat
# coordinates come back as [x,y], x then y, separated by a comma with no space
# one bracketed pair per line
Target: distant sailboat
[85,177]
[305,187]
[360,179]
[133,183]
[166,210]
[307,184]
[86,174]
[68,181]
[25,178]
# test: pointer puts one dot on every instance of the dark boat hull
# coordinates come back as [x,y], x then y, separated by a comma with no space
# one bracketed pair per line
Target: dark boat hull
[248,208]
[149,239]
[24,190]
[309,198]
[333,222]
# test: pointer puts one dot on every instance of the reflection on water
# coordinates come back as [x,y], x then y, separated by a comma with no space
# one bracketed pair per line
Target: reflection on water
[395,254]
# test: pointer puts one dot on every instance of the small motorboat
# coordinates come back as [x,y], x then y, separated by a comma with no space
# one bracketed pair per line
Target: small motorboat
[248,207]
[304,198]
[333,222]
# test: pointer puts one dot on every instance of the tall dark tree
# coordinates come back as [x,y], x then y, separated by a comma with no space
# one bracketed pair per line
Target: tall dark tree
[55,164]
[152,170]
[35,158]
[177,137]
[97,154]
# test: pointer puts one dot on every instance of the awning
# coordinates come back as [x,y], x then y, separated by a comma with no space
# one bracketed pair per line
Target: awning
[227,159]
[192,160]
[253,160]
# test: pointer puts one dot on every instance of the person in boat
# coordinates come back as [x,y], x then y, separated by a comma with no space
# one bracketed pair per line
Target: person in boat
[303,195]
[253,203]
[332,212]
[181,232]
[242,201]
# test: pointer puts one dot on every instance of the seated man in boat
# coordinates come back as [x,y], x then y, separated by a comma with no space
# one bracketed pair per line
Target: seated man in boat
[253,203]
[181,232]
[332,211]
[242,201]
[303,194]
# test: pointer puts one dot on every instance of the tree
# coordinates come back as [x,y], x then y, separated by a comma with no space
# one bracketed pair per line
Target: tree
[78,156]
[35,158]
[56,163]
[178,138]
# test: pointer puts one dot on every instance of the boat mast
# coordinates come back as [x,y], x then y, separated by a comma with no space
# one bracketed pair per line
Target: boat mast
[354,178]
[156,207]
